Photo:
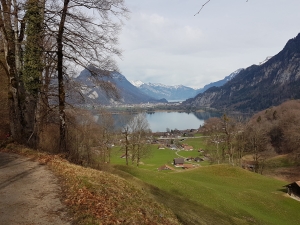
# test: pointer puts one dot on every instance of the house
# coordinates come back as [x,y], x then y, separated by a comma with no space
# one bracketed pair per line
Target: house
[293,189]
[165,167]
[178,162]
[198,159]
[187,166]
[190,158]
[188,148]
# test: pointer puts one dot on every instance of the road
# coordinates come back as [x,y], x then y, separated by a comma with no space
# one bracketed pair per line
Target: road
[29,193]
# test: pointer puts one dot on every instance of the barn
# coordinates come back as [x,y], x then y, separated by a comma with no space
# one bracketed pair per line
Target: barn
[293,189]
[178,162]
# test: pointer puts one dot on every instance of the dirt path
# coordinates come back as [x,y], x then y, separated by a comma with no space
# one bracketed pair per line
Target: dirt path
[29,193]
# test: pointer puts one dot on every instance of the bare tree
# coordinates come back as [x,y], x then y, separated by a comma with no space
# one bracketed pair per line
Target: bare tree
[213,128]
[60,35]
[140,135]
[83,40]
[256,142]
[107,134]
[136,138]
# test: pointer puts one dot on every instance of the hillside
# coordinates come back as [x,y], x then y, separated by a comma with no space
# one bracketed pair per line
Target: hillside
[220,194]
[160,91]
[94,93]
[258,86]
[91,196]
[215,194]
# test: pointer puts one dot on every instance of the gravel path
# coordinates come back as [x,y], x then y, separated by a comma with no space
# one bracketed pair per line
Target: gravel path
[29,193]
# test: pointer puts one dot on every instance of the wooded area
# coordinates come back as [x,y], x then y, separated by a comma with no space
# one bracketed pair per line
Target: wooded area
[43,42]
[271,131]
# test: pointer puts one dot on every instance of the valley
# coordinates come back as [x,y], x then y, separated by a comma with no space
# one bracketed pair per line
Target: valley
[180,127]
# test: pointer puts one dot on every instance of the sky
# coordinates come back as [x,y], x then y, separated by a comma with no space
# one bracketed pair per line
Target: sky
[163,42]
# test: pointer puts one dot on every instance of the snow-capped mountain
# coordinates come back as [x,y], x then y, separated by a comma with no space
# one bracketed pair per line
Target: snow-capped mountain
[94,93]
[159,91]
[137,83]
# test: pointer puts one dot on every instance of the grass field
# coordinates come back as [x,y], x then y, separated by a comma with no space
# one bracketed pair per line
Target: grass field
[221,194]
[215,194]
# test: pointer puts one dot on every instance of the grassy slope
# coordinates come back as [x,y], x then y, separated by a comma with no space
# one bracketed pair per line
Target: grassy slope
[98,197]
[221,194]
[218,194]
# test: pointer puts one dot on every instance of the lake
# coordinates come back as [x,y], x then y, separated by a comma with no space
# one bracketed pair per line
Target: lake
[160,121]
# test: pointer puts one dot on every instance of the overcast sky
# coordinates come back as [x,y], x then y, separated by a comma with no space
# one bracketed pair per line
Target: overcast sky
[163,42]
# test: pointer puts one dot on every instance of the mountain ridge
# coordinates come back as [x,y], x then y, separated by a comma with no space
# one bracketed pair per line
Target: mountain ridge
[258,86]
[93,93]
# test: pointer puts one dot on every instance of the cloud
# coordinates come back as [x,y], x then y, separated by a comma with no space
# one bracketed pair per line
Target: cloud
[163,42]
[163,34]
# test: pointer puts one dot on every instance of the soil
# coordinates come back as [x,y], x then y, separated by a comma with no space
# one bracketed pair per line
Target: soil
[29,193]
[288,174]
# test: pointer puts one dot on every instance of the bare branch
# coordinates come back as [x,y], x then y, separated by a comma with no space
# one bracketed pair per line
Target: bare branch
[202,7]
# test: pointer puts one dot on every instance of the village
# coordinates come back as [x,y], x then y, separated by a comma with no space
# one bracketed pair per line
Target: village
[173,140]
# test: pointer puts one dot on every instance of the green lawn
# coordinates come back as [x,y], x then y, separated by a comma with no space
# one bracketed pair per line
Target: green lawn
[196,142]
[216,194]
[221,194]
[157,157]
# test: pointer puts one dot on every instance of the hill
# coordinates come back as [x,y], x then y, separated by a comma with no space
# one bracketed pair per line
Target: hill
[219,194]
[159,91]
[258,86]
[94,93]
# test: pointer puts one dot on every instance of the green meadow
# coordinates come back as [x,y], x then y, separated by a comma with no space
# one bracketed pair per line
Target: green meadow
[211,194]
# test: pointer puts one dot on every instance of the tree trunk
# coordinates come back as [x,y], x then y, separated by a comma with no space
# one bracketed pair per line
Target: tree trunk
[60,74]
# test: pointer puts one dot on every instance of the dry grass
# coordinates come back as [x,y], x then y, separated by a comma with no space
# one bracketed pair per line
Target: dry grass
[97,197]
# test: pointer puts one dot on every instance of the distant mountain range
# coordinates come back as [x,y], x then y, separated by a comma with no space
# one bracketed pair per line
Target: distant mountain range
[94,94]
[159,91]
[178,92]
[136,92]
[259,86]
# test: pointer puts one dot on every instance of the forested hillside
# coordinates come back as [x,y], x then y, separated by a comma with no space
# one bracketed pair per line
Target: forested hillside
[258,87]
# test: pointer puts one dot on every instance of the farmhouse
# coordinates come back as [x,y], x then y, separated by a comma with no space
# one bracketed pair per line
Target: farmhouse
[293,189]
[187,166]
[198,159]
[188,148]
[190,158]
[178,162]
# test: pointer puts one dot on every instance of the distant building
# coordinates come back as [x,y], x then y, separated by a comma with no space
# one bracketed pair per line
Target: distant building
[188,148]
[198,159]
[190,158]
[178,162]
[293,189]
[187,166]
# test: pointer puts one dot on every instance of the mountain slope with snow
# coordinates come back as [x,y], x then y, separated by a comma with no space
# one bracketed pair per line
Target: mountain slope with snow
[94,94]
[159,91]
